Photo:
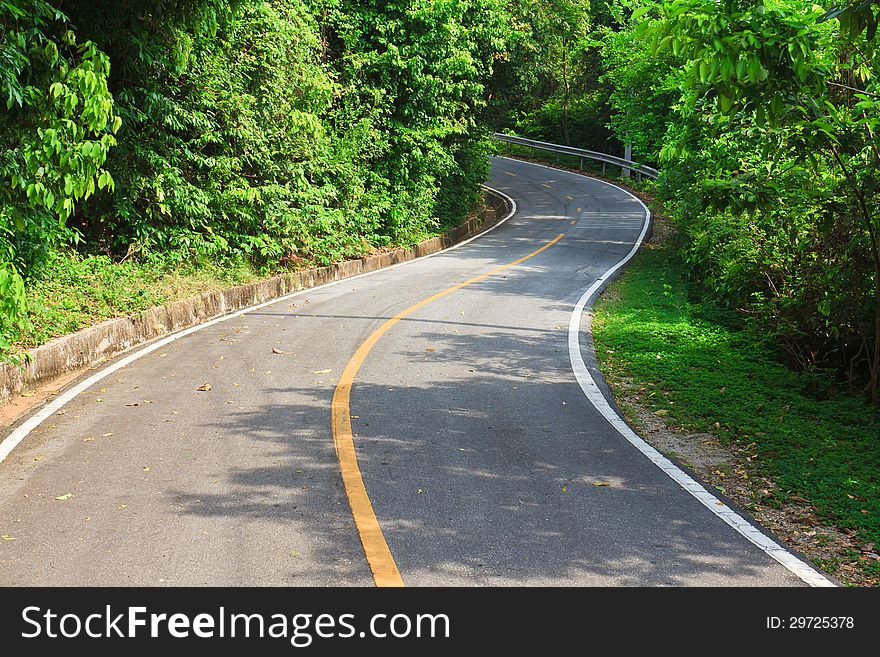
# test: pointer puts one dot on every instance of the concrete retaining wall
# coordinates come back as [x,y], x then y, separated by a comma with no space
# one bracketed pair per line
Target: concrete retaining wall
[98,343]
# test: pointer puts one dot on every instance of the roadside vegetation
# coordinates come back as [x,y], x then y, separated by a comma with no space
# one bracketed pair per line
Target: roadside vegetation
[226,139]
[695,366]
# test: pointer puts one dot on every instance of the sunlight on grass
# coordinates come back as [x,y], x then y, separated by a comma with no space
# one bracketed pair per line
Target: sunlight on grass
[815,441]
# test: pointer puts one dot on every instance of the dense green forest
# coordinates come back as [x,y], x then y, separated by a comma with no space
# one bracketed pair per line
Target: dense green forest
[763,118]
[269,134]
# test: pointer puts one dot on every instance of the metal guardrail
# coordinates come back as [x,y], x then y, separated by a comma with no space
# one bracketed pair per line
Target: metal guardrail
[604,158]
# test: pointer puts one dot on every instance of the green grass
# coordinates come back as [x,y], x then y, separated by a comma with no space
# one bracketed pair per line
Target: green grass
[699,369]
[71,291]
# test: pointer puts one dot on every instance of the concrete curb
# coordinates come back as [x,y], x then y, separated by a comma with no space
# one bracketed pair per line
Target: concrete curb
[98,343]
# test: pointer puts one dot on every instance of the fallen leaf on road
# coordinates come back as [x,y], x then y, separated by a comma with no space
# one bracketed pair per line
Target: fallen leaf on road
[431,349]
[601,483]
[66,496]
[7,537]
[205,387]
[322,372]
[565,489]
[107,435]
[146,469]
[283,353]
[133,404]
[28,394]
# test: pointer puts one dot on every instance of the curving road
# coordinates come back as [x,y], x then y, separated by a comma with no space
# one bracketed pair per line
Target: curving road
[478,451]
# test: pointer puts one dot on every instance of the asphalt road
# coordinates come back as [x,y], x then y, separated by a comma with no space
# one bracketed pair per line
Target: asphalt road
[478,450]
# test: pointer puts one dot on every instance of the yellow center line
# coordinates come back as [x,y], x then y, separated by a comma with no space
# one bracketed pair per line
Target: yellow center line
[385,572]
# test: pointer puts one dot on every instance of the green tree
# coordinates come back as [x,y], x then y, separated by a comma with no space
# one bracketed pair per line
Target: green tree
[55,133]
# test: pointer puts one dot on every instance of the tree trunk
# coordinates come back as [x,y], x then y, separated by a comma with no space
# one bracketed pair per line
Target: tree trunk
[565,93]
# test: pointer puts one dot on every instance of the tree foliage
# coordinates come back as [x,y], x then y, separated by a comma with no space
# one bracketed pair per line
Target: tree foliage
[262,131]
[55,133]
[763,116]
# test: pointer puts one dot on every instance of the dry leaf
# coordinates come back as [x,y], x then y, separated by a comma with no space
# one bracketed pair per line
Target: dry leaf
[601,483]
[66,496]
[7,537]
[283,353]
[107,435]
[28,394]
[431,349]
[661,411]
[205,387]
[322,372]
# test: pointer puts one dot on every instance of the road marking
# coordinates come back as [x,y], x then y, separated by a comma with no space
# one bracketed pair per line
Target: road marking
[546,185]
[594,394]
[14,438]
[376,550]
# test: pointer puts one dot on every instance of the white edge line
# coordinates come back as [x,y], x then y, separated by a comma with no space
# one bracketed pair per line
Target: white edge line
[588,384]
[21,432]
